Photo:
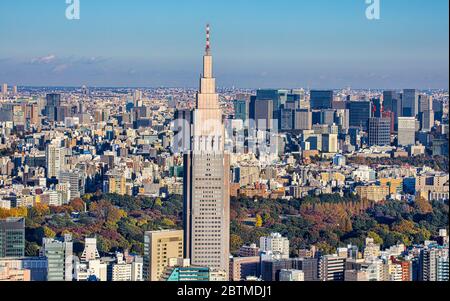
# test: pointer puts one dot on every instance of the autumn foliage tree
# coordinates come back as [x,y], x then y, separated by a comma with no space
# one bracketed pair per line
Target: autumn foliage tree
[423,206]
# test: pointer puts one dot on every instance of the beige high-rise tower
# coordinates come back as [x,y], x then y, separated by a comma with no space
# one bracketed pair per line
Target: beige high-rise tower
[207,178]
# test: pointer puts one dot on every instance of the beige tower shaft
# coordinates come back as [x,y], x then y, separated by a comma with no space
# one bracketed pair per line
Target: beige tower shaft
[207,178]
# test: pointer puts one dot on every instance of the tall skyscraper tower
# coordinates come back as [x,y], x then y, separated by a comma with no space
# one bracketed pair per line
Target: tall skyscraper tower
[55,155]
[207,179]
[410,103]
[379,131]
[5,90]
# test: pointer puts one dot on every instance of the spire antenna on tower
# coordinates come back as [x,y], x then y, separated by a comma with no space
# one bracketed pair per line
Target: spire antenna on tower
[208,45]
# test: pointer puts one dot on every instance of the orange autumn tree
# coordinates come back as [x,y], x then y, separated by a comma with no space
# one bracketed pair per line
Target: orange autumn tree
[422,205]
[13,212]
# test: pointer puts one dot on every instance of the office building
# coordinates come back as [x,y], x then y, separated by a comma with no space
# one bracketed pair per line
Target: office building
[51,108]
[277,99]
[276,244]
[342,119]
[241,109]
[321,99]
[331,268]
[59,254]
[243,267]
[287,120]
[379,131]
[12,237]
[116,183]
[270,269]
[329,143]
[327,117]
[263,114]
[309,267]
[434,263]
[159,248]
[360,112]
[36,265]
[372,193]
[410,103]
[406,131]
[120,270]
[207,180]
[55,156]
[187,274]
[438,108]
[76,182]
[249,251]
[425,103]
[377,107]
[392,102]
[427,120]
[302,119]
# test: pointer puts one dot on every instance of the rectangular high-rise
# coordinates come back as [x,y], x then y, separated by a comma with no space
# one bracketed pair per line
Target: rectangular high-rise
[264,114]
[360,112]
[76,180]
[207,180]
[302,119]
[159,248]
[406,131]
[410,103]
[287,119]
[330,143]
[241,109]
[331,268]
[5,90]
[12,237]
[55,155]
[52,105]
[427,120]
[321,99]
[392,102]
[59,254]
[379,131]
[276,97]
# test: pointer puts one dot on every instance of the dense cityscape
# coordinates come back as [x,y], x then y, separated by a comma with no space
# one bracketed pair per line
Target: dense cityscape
[108,184]
[295,143]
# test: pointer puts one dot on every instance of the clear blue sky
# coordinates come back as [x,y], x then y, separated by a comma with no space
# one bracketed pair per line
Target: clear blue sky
[256,43]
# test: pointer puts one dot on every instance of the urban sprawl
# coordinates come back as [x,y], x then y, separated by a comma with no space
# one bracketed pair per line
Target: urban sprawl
[181,184]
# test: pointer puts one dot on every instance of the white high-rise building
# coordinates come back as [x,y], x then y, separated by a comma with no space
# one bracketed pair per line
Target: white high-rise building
[406,131]
[59,254]
[434,262]
[55,155]
[276,244]
[207,179]
[75,181]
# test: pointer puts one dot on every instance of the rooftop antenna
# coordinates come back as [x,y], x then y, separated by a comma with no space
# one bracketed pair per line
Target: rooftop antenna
[208,45]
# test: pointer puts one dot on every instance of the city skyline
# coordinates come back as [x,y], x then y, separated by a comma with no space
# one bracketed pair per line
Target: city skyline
[265,45]
[309,183]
